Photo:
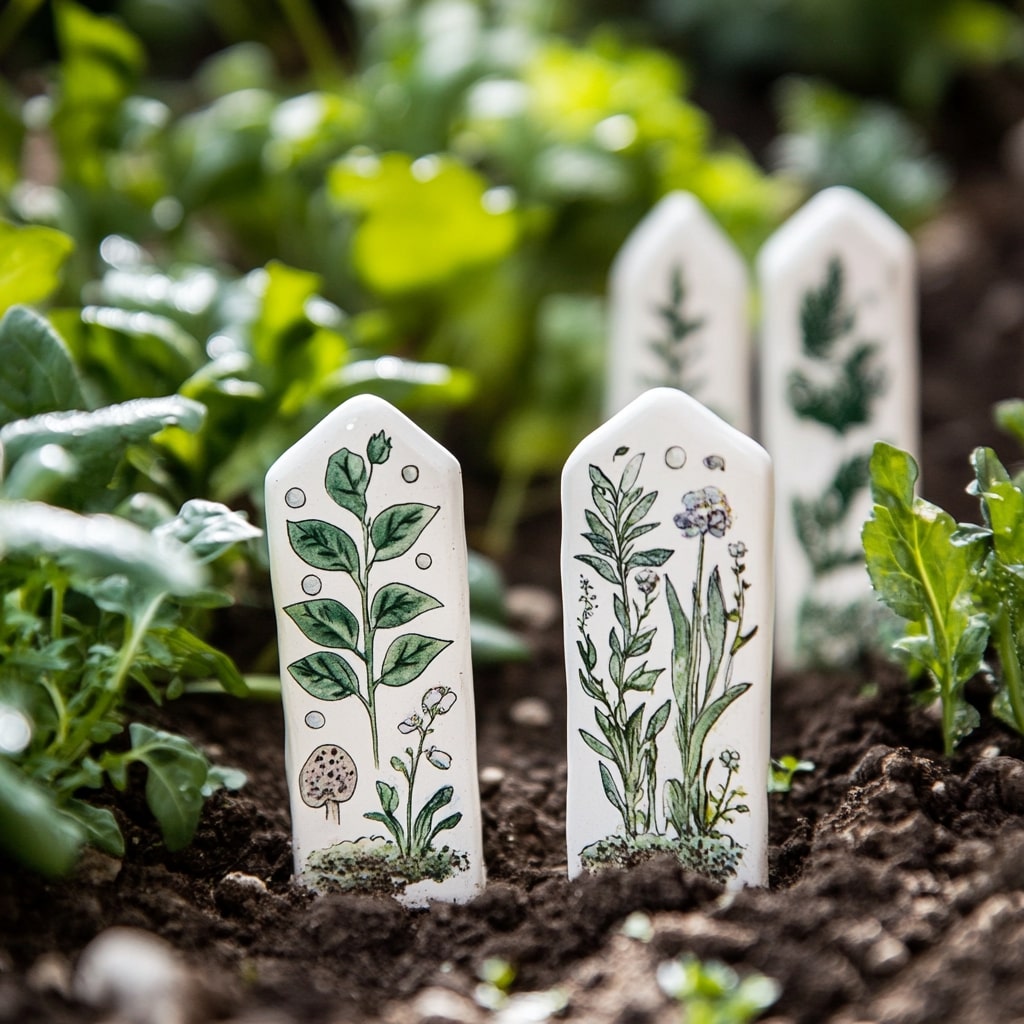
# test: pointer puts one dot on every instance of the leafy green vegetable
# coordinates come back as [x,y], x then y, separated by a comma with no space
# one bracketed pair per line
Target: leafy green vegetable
[782,771]
[712,993]
[30,262]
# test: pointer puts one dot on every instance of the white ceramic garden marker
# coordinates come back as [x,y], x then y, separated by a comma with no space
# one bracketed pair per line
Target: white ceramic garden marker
[838,372]
[679,304]
[668,591]
[368,559]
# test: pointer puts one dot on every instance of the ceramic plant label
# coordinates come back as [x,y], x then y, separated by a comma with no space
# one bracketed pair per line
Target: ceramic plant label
[679,294]
[667,588]
[838,372]
[368,559]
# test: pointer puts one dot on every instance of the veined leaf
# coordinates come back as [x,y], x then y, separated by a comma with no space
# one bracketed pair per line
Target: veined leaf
[681,645]
[657,722]
[611,790]
[444,825]
[325,675]
[174,783]
[326,622]
[100,825]
[422,826]
[98,439]
[397,603]
[597,526]
[630,473]
[642,507]
[324,546]
[714,626]
[208,528]
[191,654]
[346,481]
[599,748]
[36,372]
[408,657]
[1003,505]
[604,568]
[653,557]
[388,797]
[706,721]
[600,481]
[397,528]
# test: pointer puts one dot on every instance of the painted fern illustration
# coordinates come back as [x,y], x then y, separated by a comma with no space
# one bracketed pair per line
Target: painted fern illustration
[627,740]
[819,522]
[827,327]
[358,671]
[674,350]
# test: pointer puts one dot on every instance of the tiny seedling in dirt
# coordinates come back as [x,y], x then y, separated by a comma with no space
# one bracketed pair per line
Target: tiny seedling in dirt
[782,771]
[710,992]
[960,587]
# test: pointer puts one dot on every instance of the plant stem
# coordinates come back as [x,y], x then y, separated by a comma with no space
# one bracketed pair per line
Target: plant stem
[1009,660]
[414,764]
[363,583]
[312,40]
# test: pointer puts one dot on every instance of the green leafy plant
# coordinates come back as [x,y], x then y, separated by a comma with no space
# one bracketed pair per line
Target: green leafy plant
[91,603]
[948,581]
[381,536]
[783,770]
[630,743]
[711,992]
[416,837]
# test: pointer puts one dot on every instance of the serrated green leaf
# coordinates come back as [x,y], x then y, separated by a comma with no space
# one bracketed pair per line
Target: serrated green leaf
[326,622]
[398,527]
[408,657]
[30,262]
[397,603]
[36,372]
[325,675]
[324,546]
[208,528]
[346,481]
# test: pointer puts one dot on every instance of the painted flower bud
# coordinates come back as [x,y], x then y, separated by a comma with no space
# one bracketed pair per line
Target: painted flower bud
[378,448]
[730,759]
[646,581]
[737,550]
[410,724]
[439,759]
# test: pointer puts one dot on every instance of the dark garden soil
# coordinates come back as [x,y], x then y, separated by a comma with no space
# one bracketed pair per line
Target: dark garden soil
[897,878]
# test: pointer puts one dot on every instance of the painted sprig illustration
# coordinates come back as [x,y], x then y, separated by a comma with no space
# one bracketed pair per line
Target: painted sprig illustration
[378,538]
[689,813]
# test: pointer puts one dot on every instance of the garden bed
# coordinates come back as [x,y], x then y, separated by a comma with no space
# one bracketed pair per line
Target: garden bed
[897,878]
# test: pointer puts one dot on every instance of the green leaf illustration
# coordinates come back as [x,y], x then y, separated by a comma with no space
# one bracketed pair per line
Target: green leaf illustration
[602,749]
[706,721]
[326,622]
[611,790]
[656,556]
[325,675]
[346,481]
[657,722]
[630,473]
[388,796]
[681,640]
[443,826]
[714,626]
[845,403]
[604,568]
[324,546]
[397,528]
[408,657]
[823,320]
[421,828]
[397,603]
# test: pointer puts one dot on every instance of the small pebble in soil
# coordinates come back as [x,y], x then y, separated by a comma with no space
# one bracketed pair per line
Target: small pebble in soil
[531,712]
[491,777]
[136,975]
[532,608]
[50,973]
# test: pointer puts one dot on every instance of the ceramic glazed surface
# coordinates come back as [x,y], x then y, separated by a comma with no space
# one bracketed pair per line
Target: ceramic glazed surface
[838,372]
[679,297]
[667,577]
[368,560]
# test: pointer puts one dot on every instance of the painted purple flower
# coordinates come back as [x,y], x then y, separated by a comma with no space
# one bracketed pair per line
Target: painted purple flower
[410,724]
[737,550]
[440,698]
[439,759]
[704,511]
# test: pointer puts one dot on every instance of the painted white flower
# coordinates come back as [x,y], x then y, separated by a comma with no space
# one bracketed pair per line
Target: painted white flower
[440,700]
[439,759]
[410,724]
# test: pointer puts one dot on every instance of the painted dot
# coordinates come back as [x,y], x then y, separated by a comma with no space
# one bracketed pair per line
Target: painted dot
[311,585]
[675,457]
[424,561]
[410,474]
[315,720]
[295,497]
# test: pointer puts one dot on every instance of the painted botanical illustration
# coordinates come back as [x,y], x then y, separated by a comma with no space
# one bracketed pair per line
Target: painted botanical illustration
[411,854]
[376,539]
[689,812]
[353,668]
[840,397]
[674,350]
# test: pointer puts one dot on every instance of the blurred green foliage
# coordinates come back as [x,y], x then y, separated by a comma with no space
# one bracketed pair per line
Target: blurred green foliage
[458,184]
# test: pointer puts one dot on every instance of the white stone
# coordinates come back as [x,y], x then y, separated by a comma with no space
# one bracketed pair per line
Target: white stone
[694,531]
[827,394]
[387,546]
[679,291]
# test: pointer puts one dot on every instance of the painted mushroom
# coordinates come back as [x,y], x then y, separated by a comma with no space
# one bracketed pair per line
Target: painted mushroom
[328,779]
